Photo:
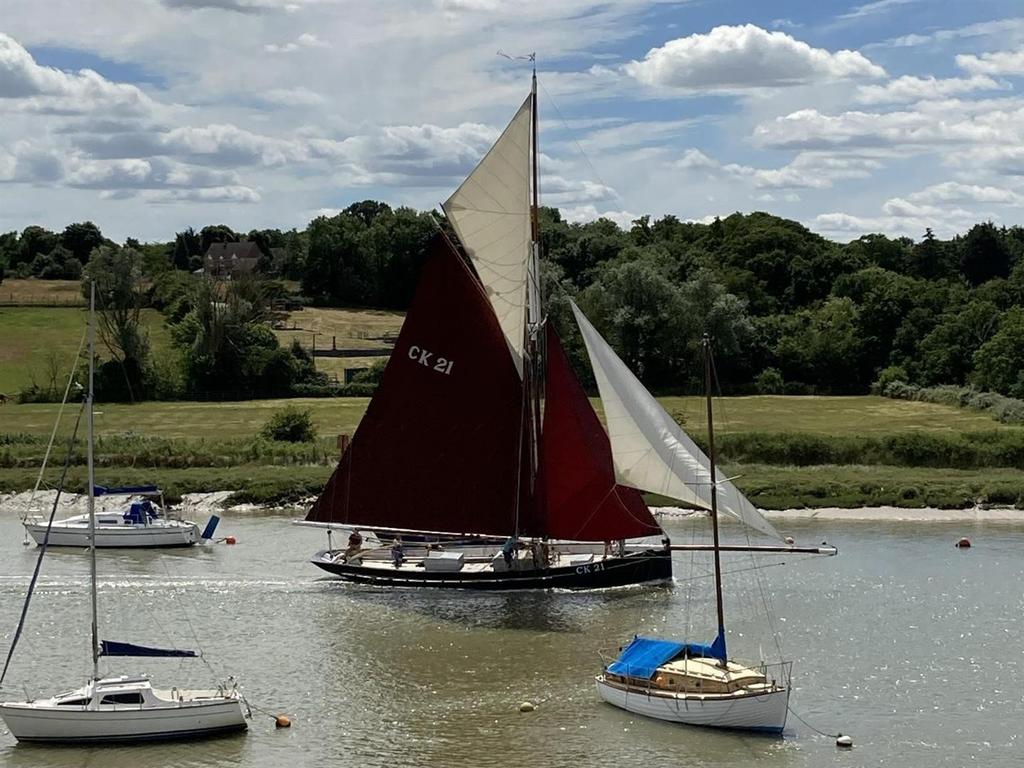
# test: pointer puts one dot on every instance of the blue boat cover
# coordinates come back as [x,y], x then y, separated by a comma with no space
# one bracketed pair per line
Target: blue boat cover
[643,656]
[101,490]
[114,648]
[139,511]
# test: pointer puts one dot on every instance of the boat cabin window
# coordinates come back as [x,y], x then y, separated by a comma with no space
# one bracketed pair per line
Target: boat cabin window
[123,698]
[73,703]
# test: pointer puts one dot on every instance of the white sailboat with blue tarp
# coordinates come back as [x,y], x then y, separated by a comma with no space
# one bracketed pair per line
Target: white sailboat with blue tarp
[680,681]
[115,708]
[138,518]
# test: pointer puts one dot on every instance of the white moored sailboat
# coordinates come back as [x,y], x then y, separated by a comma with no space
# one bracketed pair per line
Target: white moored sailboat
[137,523]
[124,708]
[682,682]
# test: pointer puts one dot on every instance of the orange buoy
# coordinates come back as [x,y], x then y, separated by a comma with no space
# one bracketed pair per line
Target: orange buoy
[963,543]
[282,721]
[230,540]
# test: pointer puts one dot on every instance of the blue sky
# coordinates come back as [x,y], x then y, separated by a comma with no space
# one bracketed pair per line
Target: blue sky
[147,116]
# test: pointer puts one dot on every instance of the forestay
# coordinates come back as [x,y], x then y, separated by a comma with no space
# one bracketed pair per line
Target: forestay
[490,213]
[651,452]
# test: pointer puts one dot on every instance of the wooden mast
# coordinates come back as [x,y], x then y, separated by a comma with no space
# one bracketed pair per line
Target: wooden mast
[720,640]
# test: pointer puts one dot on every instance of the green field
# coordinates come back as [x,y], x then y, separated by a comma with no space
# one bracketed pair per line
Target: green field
[828,416]
[894,452]
[37,341]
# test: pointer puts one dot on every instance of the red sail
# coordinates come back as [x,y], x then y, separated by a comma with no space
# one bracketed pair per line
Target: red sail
[583,502]
[439,447]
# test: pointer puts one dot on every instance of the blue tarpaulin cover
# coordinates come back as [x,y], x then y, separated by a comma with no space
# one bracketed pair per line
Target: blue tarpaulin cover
[100,490]
[114,648]
[643,656]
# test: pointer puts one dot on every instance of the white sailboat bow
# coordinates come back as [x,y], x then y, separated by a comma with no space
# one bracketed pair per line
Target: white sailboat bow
[651,452]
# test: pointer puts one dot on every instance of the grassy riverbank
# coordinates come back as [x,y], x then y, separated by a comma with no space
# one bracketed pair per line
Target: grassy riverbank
[783,451]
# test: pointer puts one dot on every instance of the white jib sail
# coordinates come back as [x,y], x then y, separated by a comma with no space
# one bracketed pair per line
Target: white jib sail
[490,213]
[651,452]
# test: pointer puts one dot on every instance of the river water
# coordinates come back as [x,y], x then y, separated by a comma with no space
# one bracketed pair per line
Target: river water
[911,646]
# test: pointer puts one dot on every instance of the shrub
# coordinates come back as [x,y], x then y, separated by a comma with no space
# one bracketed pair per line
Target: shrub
[888,375]
[769,382]
[290,424]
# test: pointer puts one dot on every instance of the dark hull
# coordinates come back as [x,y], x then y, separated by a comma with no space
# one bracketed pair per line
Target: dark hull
[635,568]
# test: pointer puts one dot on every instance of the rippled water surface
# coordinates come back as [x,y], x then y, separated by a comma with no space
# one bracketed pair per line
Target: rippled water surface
[913,647]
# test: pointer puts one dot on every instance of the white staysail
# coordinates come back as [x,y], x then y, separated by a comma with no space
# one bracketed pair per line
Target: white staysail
[651,452]
[490,213]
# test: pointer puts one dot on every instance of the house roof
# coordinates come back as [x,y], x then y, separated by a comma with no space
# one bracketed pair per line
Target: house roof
[237,257]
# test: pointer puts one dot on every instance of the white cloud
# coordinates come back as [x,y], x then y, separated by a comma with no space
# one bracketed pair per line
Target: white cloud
[879,6]
[998,27]
[745,57]
[559,191]
[583,213]
[693,159]
[919,130]
[808,170]
[237,6]
[305,40]
[293,97]
[909,88]
[998,63]
[35,88]
[955,192]
[136,173]
[232,194]
[1004,161]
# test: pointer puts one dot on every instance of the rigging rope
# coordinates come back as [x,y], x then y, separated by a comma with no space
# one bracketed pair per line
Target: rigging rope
[819,732]
[60,414]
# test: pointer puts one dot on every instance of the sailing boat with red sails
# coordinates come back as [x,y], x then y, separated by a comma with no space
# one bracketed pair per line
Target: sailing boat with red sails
[479,430]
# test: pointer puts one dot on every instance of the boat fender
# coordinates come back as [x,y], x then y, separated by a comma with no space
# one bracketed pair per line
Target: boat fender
[526,706]
[282,721]
[963,543]
[844,742]
[790,540]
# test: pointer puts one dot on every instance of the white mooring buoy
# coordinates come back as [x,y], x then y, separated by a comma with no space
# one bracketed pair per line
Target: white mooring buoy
[844,742]
[526,706]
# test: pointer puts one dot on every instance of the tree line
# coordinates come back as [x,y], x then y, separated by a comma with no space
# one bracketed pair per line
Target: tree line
[789,311]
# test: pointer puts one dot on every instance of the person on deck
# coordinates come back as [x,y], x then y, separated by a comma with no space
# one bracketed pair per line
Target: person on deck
[508,549]
[397,552]
[355,543]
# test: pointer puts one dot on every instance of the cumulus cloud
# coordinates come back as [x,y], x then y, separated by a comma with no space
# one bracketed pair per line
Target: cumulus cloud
[305,40]
[909,88]
[694,159]
[36,88]
[581,214]
[137,173]
[808,170]
[29,163]
[998,63]
[900,217]
[955,192]
[919,130]
[559,191]
[745,57]
[232,194]
[1003,161]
